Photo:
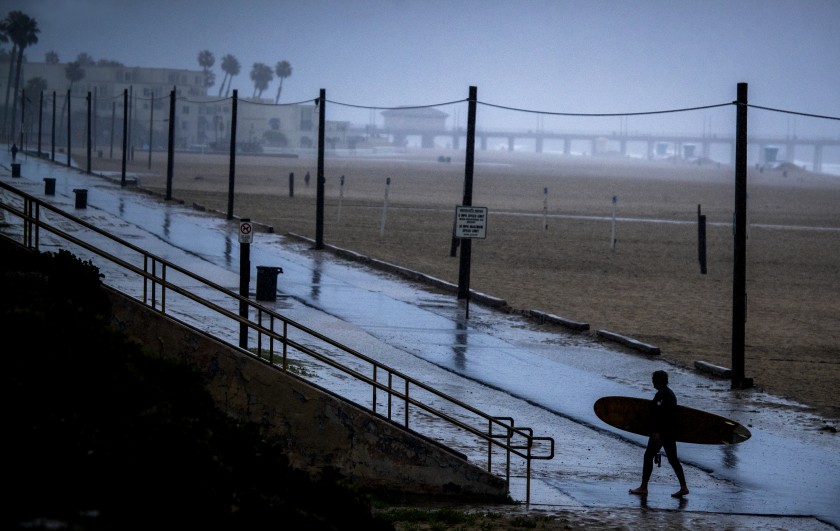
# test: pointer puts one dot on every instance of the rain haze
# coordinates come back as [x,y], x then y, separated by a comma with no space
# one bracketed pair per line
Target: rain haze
[547,56]
[593,238]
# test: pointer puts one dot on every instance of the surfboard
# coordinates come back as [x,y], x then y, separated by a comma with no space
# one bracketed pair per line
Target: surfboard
[693,425]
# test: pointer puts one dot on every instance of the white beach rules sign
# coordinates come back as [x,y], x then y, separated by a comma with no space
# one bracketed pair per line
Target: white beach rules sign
[471,222]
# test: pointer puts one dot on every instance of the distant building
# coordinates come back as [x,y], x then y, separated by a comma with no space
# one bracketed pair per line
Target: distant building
[202,121]
[422,121]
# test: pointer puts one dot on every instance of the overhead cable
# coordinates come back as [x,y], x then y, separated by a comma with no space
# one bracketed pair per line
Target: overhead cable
[604,114]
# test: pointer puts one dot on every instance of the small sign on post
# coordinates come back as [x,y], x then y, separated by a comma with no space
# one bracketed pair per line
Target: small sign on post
[246,231]
[471,222]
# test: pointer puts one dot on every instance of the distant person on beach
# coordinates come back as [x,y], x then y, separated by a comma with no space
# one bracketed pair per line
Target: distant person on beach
[663,417]
[14,152]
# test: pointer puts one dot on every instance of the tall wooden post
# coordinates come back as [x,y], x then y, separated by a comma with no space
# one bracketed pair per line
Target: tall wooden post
[95,117]
[319,207]
[40,121]
[113,122]
[170,160]
[89,130]
[739,292]
[151,128]
[52,132]
[69,114]
[232,171]
[124,135]
[466,243]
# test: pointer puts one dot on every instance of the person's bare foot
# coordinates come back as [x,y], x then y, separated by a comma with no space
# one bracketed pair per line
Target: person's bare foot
[680,493]
[641,491]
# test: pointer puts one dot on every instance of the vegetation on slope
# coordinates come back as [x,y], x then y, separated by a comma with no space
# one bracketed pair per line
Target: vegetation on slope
[104,436]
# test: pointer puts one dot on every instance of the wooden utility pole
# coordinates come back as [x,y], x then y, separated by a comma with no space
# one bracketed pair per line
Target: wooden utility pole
[319,206]
[739,292]
[89,131]
[232,172]
[170,149]
[466,243]
[124,135]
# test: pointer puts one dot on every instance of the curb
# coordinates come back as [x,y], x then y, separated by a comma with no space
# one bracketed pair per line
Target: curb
[716,370]
[555,319]
[629,342]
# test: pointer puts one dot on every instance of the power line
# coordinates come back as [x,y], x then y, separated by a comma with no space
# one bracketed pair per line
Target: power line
[794,112]
[604,114]
[397,108]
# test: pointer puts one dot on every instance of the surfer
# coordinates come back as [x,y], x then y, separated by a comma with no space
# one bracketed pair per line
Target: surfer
[663,410]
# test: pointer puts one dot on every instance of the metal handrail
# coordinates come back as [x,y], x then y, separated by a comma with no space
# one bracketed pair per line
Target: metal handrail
[401,391]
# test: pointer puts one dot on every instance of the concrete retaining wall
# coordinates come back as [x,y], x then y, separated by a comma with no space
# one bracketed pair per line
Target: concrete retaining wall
[320,432]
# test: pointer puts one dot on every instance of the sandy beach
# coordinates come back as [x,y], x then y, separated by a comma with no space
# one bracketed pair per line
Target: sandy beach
[550,247]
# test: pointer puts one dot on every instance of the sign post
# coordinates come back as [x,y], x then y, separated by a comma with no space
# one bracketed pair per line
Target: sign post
[470,224]
[246,236]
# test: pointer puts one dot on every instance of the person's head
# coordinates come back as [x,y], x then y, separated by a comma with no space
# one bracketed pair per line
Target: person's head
[660,379]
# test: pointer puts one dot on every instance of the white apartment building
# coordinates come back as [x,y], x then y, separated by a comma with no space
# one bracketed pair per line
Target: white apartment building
[202,121]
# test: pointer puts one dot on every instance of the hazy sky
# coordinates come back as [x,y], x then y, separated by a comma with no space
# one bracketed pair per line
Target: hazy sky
[579,56]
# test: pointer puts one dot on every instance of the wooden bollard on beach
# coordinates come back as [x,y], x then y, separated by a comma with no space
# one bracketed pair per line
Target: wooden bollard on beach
[612,232]
[340,196]
[701,240]
[384,208]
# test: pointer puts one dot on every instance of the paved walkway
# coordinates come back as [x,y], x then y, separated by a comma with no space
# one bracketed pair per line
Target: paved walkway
[786,476]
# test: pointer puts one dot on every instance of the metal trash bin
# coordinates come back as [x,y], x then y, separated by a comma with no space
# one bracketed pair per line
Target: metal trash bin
[49,185]
[267,282]
[81,197]
[16,169]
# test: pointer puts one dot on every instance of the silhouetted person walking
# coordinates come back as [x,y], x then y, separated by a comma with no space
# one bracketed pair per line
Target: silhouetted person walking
[14,152]
[663,417]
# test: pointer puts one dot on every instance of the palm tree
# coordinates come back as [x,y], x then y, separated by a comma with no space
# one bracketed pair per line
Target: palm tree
[51,58]
[206,60]
[261,75]
[283,70]
[73,72]
[230,65]
[36,85]
[23,31]
[235,68]
[84,59]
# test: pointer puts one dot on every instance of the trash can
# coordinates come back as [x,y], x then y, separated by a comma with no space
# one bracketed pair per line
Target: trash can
[267,282]
[49,185]
[16,169]
[81,197]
